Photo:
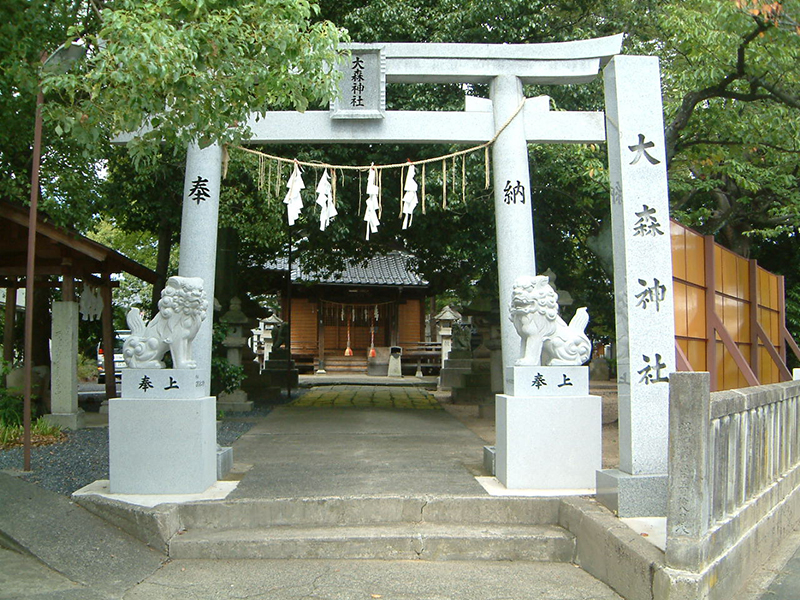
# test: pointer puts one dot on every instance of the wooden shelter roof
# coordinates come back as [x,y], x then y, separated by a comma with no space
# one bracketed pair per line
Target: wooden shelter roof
[59,251]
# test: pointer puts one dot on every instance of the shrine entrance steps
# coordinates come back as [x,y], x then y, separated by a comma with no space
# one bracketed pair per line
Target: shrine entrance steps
[394,485]
[420,527]
[345,364]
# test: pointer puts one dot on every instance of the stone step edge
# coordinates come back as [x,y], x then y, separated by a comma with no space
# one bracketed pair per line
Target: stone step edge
[539,543]
[370,511]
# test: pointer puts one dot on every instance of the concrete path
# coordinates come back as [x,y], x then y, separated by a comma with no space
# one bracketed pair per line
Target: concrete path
[85,556]
[343,378]
[306,452]
[779,579]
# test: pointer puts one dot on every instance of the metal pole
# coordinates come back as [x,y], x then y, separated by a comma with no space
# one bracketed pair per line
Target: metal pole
[29,274]
[289,323]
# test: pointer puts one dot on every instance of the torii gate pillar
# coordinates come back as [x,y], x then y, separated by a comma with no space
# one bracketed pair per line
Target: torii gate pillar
[512,203]
[198,257]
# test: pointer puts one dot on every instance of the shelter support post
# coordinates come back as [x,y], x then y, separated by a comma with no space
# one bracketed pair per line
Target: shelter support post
[67,280]
[198,256]
[642,286]
[107,318]
[512,202]
[64,367]
[320,337]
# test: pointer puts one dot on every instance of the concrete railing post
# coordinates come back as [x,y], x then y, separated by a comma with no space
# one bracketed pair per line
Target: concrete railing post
[689,499]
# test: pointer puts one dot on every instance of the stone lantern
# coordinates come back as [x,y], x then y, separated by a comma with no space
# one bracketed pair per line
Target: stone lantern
[234,341]
[444,321]
[261,340]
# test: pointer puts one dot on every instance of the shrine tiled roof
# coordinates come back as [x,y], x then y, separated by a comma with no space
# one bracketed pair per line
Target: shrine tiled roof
[393,269]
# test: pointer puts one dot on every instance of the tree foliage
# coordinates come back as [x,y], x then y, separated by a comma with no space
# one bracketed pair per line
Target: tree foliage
[191,69]
[69,178]
[732,82]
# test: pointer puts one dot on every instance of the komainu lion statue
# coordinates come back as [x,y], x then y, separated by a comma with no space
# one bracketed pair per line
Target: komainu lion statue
[182,308]
[546,338]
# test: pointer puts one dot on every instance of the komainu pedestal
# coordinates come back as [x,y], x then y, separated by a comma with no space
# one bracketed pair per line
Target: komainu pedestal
[162,434]
[549,431]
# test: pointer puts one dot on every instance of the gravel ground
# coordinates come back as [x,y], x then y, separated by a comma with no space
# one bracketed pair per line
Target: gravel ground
[83,457]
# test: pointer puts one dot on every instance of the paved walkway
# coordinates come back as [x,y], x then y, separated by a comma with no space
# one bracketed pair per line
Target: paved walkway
[308,451]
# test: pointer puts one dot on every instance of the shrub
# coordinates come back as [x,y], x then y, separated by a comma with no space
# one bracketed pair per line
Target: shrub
[87,368]
[10,404]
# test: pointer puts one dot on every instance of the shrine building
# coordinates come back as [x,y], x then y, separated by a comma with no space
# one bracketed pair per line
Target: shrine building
[338,318]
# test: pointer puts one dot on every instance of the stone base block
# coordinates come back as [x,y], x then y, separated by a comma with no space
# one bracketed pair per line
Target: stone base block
[377,368]
[275,374]
[549,444]
[73,420]
[489,458]
[395,368]
[224,461]
[632,495]
[162,446]
[450,377]
[468,395]
[235,407]
[162,383]
[234,402]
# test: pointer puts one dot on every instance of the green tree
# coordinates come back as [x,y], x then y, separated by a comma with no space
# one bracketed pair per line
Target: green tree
[147,198]
[69,177]
[732,83]
[141,246]
[188,70]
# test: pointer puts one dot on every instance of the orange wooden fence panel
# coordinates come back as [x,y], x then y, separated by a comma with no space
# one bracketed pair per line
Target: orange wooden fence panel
[738,334]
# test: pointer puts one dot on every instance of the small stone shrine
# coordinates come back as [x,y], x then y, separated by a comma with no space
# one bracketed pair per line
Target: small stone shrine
[549,429]
[162,430]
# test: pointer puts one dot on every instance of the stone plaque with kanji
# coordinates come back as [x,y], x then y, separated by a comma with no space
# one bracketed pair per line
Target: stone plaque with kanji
[362,86]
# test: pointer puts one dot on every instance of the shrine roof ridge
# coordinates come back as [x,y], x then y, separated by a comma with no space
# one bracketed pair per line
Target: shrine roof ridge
[390,269]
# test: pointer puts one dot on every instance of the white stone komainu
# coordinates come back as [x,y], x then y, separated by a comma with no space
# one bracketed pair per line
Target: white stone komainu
[545,338]
[548,425]
[181,310]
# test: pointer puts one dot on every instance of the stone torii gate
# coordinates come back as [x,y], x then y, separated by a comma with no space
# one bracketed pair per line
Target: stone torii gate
[632,126]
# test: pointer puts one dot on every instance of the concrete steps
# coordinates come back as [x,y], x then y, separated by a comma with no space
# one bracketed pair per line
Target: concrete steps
[387,528]
[424,541]
[346,364]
